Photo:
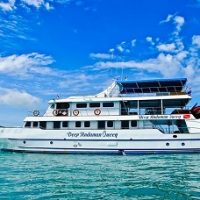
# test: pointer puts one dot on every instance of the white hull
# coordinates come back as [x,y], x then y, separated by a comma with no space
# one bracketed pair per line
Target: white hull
[138,141]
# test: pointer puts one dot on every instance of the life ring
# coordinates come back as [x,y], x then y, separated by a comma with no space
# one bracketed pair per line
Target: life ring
[36,112]
[97,111]
[55,112]
[76,112]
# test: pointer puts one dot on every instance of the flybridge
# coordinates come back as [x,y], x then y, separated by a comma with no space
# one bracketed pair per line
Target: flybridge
[152,86]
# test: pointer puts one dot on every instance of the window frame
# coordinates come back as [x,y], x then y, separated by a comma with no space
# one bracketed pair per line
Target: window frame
[85,123]
[108,125]
[95,105]
[66,123]
[107,106]
[58,126]
[78,122]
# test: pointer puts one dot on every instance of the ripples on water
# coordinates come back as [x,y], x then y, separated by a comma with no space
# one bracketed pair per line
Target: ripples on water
[46,176]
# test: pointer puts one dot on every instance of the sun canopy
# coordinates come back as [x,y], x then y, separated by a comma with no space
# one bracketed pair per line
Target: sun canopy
[152,86]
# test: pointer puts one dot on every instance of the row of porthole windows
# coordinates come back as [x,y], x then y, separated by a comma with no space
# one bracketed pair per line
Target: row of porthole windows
[167,144]
[125,124]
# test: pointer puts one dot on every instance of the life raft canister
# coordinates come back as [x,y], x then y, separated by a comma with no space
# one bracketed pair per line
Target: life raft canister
[97,111]
[76,112]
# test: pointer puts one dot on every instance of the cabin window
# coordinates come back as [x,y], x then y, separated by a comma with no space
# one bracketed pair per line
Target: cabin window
[28,124]
[52,106]
[35,124]
[87,124]
[56,125]
[109,123]
[125,124]
[94,105]
[64,124]
[101,124]
[134,123]
[43,125]
[62,105]
[108,104]
[78,124]
[81,105]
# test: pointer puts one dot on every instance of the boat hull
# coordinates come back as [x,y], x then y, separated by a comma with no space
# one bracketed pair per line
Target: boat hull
[119,142]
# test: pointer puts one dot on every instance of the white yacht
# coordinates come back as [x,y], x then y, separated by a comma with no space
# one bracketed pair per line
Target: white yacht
[129,117]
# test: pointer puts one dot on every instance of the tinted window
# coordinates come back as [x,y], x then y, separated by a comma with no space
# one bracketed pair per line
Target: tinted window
[28,124]
[101,124]
[65,124]
[62,105]
[125,124]
[134,123]
[108,104]
[94,105]
[35,124]
[53,106]
[109,123]
[43,125]
[56,125]
[78,124]
[81,105]
[87,124]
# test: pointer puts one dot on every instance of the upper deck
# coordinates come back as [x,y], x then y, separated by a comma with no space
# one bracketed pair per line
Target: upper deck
[158,86]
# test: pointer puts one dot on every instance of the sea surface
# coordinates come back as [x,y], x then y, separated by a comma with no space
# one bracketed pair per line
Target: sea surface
[52,176]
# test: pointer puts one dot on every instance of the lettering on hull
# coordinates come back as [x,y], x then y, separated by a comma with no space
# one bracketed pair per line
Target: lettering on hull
[90,134]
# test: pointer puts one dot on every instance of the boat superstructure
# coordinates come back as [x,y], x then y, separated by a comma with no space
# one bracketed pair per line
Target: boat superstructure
[128,117]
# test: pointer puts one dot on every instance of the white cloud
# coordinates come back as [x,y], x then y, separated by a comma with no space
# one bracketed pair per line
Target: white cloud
[35,3]
[133,42]
[166,47]
[150,40]
[120,48]
[196,40]
[7,6]
[167,65]
[177,20]
[25,64]
[48,6]
[15,98]
[101,56]
[173,57]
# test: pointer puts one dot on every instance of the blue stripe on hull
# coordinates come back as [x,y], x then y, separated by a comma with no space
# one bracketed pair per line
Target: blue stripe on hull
[104,151]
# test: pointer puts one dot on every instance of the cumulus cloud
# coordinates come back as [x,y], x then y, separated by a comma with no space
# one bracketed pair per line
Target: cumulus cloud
[7,6]
[166,47]
[171,58]
[196,40]
[16,98]
[25,64]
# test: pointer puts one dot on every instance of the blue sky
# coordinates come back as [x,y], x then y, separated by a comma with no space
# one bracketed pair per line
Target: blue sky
[75,47]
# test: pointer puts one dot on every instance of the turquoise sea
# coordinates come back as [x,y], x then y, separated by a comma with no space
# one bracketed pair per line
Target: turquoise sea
[46,176]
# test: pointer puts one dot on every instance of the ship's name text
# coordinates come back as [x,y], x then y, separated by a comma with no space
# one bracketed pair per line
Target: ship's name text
[90,134]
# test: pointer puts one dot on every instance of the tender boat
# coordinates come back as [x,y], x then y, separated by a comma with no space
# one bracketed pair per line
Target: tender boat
[129,117]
